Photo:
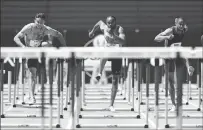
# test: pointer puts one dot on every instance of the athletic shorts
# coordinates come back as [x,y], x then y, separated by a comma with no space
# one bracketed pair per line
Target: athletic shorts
[172,64]
[34,63]
[116,65]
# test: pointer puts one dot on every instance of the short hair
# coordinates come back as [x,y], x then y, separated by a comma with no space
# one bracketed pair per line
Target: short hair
[40,15]
[111,16]
[178,18]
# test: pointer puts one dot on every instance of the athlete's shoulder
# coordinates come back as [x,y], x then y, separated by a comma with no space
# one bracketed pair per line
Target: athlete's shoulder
[120,29]
[29,25]
[46,26]
[173,28]
[119,26]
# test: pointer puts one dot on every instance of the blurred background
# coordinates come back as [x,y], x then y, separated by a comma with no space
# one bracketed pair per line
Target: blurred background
[141,19]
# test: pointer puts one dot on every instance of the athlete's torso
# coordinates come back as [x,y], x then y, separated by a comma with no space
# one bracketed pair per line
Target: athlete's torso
[35,35]
[106,33]
[178,36]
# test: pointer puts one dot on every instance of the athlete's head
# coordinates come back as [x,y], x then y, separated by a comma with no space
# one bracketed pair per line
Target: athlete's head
[40,18]
[111,22]
[179,23]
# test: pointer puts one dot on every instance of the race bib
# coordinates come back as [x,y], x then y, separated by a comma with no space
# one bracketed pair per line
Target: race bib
[178,44]
[35,43]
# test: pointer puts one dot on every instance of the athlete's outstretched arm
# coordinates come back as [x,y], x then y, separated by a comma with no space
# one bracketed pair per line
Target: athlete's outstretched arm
[57,34]
[166,35]
[120,39]
[98,25]
[25,30]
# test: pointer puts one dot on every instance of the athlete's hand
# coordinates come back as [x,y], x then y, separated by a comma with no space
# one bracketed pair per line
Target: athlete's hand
[91,34]
[190,70]
[110,38]
[170,37]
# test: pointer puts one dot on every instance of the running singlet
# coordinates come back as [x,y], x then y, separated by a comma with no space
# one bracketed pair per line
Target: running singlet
[178,36]
[34,34]
[104,27]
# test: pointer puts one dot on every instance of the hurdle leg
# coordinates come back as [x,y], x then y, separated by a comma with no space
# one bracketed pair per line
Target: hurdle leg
[125,77]
[122,78]
[141,103]
[15,78]
[199,84]
[157,92]
[166,91]
[72,79]
[67,87]
[51,90]
[19,78]
[78,71]
[201,80]
[23,80]
[129,84]
[139,73]
[58,82]
[61,80]
[188,90]
[133,87]
[147,92]
[80,89]
[163,79]
[1,87]
[9,85]
[83,84]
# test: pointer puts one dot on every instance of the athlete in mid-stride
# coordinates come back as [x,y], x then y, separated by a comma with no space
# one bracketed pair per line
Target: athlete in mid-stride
[33,34]
[174,35]
[115,37]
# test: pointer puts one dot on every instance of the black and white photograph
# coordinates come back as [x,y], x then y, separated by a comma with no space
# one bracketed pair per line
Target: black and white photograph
[101,65]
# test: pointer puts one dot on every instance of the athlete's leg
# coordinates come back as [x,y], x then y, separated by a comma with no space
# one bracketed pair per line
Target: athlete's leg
[32,65]
[116,71]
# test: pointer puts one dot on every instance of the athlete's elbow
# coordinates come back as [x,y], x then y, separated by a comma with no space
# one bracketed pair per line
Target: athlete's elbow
[16,39]
[157,39]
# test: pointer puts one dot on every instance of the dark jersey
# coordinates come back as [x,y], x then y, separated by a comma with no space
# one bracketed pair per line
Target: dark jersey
[178,36]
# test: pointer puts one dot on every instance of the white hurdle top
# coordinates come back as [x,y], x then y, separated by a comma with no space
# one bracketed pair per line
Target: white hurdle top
[102,52]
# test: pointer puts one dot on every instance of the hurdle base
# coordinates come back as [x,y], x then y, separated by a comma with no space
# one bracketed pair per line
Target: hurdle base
[23,103]
[68,103]
[65,109]
[58,126]
[124,98]
[2,116]
[111,126]
[14,105]
[142,103]
[61,116]
[146,126]
[187,103]
[17,98]
[138,116]
[132,109]
[167,126]
[81,109]
[78,126]
[190,98]
[80,116]
[198,109]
